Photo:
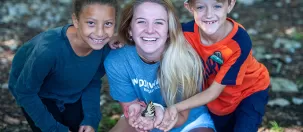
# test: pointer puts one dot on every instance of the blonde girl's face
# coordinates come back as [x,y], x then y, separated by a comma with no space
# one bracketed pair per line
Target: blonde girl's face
[210,15]
[95,25]
[149,28]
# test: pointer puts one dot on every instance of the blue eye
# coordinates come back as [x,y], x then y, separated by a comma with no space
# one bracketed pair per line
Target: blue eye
[218,6]
[159,23]
[141,22]
[200,7]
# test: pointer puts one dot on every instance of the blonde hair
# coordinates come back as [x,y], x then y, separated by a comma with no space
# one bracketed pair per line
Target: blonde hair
[180,71]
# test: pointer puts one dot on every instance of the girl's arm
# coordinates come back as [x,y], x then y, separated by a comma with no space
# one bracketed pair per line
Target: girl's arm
[91,96]
[201,98]
[91,103]
[121,87]
[36,68]
[126,111]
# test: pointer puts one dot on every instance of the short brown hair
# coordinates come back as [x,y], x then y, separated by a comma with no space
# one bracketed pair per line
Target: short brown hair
[191,2]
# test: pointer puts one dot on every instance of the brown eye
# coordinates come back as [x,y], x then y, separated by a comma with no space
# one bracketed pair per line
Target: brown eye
[109,24]
[90,23]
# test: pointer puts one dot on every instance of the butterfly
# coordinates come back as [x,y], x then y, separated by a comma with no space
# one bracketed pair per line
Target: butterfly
[149,110]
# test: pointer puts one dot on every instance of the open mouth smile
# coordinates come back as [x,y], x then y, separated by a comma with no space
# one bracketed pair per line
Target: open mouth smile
[149,39]
[210,22]
[97,41]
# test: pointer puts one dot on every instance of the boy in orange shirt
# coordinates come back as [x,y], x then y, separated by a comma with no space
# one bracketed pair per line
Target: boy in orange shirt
[236,84]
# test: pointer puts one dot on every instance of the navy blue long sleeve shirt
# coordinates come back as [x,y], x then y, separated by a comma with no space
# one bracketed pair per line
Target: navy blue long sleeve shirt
[47,67]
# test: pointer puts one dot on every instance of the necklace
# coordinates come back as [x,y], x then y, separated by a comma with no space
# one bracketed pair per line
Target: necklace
[146,60]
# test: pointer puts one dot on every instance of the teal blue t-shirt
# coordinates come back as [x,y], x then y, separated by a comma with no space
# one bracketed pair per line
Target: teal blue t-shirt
[130,78]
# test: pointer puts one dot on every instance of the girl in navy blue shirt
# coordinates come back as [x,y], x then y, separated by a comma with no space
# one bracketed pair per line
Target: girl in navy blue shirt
[55,77]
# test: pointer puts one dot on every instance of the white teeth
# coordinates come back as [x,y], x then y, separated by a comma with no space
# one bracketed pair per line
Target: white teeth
[149,39]
[97,40]
[210,22]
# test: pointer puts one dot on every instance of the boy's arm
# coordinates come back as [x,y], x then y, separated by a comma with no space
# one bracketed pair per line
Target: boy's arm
[182,117]
[201,98]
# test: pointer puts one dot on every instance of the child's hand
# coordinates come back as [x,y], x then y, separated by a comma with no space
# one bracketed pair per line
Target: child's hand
[115,43]
[145,123]
[86,129]
[134,116]
[140,130]
[135,119]
[157,119]
[170,119]
[134,112]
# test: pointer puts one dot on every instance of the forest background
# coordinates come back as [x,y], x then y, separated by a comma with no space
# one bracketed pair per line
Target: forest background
[275,27]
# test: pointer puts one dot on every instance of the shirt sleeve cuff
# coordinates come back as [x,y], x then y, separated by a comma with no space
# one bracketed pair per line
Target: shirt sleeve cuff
[61,128]
[93,122]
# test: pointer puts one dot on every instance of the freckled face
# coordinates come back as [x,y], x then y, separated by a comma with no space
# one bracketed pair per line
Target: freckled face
[210,15]
[95,25]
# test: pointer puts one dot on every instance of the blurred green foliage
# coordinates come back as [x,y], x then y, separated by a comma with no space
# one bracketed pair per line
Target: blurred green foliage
[275,127]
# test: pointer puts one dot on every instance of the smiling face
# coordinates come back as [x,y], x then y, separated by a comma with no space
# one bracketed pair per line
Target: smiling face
[95,25]
[149,28]
[210,15]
